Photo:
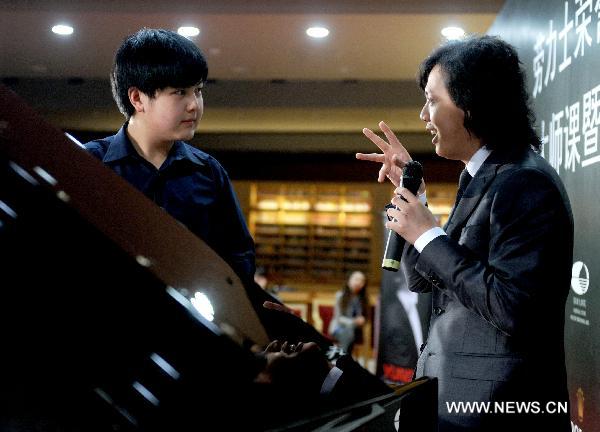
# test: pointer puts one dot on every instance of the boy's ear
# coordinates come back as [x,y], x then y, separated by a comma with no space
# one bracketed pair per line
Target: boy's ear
[136,99]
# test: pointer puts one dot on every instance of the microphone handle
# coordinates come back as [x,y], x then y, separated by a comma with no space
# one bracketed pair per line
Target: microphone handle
[395,242]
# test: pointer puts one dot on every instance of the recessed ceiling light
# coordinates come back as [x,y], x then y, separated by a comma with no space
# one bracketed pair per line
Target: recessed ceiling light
[453,33]
[317,32]
[62,29]
[188,31]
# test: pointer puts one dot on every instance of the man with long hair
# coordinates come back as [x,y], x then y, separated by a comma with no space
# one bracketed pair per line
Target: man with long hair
[500,269]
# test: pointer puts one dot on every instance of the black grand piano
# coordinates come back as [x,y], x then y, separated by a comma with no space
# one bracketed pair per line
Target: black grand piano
[99,332]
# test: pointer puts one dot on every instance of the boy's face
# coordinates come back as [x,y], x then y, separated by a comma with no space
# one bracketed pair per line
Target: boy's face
[173,113]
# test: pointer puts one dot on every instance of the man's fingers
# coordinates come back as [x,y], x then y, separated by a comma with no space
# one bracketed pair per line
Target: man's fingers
[273,346]
[375,139]
[394,213]
[399,210]
[397,161]
[397,217]
[287,347]
[383,172]
[395,181]
[406,194]
[393,140]
[277,307]
[395,143]
[372,157]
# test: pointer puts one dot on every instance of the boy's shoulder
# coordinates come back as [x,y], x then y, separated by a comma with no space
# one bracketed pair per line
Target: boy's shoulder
[99,147]
[202,156]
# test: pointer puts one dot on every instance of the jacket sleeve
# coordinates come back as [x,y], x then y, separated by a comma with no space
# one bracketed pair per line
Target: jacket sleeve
[414,281]
[502,268]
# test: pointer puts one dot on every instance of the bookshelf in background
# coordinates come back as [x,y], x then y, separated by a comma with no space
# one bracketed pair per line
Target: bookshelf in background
[440,199]
[311,232]
[290,231]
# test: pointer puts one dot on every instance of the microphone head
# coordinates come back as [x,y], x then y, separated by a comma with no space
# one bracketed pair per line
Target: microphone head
[413,169]
[412,175]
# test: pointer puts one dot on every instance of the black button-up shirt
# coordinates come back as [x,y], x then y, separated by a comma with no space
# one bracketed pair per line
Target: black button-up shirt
[193,188]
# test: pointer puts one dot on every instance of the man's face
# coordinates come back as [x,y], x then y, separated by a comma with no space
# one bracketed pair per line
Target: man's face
[445,121]
[173,113]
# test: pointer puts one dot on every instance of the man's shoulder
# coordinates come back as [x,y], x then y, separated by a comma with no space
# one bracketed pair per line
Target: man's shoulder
[530,175]
[528,166]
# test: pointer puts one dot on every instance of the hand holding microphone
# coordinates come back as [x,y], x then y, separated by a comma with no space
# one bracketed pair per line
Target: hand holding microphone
[412,175]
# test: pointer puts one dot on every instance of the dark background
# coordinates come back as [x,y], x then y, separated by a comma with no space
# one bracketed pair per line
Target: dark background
[522,22]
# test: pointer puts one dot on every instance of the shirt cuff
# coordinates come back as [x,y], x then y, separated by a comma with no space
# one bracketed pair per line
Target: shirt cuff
[331,380]
[425,238]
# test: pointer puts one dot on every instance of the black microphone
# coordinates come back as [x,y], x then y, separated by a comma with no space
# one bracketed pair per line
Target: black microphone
[412,175]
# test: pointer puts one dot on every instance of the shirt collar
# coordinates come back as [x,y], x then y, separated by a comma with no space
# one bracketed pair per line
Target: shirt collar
[477,160]
[180,151]
[121,147]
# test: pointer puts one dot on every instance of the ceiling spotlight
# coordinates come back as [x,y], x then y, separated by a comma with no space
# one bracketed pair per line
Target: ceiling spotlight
[317,32]
[62,29]
[188,31]
[453,33]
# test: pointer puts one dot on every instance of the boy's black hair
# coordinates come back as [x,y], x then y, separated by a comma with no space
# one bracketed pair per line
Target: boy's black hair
[484,78]
[151,60]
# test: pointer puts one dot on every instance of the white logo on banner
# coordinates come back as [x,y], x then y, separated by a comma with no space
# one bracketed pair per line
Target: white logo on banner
[580,278]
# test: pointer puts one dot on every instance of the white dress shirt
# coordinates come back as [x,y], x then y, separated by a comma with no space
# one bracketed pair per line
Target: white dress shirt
[472,167]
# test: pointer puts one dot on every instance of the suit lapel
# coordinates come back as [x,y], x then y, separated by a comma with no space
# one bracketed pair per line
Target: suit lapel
[472,195]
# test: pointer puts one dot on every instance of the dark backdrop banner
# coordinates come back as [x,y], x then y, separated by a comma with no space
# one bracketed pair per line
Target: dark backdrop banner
[559,44]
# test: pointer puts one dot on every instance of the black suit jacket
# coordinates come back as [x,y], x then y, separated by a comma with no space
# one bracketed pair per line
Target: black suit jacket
[499,282]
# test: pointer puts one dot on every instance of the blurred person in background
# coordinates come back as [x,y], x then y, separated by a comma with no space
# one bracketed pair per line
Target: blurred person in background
[350,312]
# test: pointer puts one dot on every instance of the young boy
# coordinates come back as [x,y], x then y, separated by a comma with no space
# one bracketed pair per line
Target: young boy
[157,81]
